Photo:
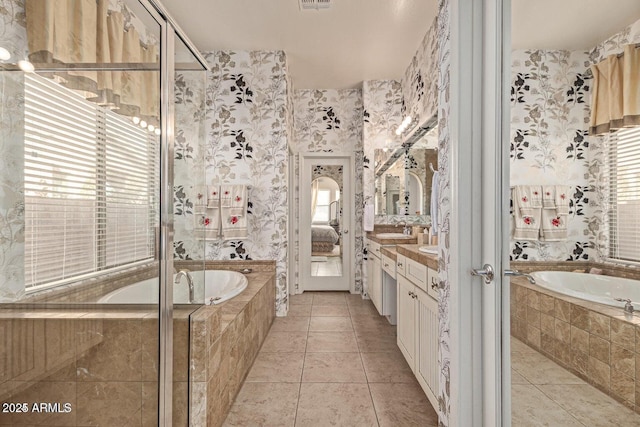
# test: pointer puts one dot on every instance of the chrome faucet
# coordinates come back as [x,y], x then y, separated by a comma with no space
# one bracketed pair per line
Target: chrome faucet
[187,274]
[628,307]
[517,273]
[406,230]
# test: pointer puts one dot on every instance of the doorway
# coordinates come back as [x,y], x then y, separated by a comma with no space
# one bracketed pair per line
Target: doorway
[326,217]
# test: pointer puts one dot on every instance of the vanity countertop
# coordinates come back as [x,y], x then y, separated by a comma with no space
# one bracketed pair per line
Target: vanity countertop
[386,241]
[412,252]
[390,251]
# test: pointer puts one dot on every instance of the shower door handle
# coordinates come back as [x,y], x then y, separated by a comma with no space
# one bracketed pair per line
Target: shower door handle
[486,271]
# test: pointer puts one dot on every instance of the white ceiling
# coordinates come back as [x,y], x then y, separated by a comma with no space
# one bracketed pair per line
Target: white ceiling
[358,40]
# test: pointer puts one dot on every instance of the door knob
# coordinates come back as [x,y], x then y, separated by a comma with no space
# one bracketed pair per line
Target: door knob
[486,271]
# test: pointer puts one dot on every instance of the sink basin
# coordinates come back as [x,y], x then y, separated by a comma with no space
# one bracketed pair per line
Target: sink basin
[429,249]
[393,236]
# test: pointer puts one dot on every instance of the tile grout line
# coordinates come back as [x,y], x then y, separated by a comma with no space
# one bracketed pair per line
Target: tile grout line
[373,403]
[558,403]
[304,359]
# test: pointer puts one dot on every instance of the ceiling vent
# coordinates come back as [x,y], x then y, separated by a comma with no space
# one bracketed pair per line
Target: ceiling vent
[314,4]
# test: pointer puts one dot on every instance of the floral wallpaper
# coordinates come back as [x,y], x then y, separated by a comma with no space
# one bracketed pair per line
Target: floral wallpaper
[550,100]
[550,95]
[443,36]
[597,160]
[419,83]
[330,121]
[247,135]
[13,37]
[189,161]
[12,221]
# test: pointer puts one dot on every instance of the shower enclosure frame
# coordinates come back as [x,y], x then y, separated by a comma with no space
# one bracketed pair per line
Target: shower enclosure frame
[164,250]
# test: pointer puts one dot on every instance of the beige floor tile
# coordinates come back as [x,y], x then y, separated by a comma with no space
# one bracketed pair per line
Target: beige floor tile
[330,324]
[299,310]
[330,298]
[356,299]
[537,369]
[347,405]
[516,378]
[402,405]
[387,368]
[276,367]
[377,324]
[285,342]
[323,341]
[330,310]
[290,324]
[531,408]
[590,406]
[264,404]
[333,368]
[370,342]
[364,309]
[303,298]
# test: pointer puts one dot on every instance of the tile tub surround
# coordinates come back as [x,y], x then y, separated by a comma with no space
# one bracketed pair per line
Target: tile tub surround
[105,360]
[544,393]
[598,343]
[223,352]
[332,361]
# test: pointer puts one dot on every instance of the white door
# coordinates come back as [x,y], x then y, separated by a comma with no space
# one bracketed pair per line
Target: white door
[477,169]
[326,219]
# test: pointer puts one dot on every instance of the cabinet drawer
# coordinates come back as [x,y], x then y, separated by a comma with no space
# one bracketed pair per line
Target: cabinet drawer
[389,266]
[417,273]
[432,290]
[401,261]
[374,248]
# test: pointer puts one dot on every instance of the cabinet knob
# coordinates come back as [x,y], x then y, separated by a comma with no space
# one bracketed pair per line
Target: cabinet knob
[434,286]
[399,264]
[386,265]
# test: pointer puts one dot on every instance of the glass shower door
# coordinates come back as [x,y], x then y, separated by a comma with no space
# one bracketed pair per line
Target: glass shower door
[85,141]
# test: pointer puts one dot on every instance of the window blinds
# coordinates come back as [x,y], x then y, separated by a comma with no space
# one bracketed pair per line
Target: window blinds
[90,182]
[624,194]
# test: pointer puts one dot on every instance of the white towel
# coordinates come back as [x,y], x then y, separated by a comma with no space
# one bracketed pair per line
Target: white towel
[199,199]
[234,211]
[527,217]
[554,227]
[368,217]
[208,224]
[529,199]
[434,203]
[562,199]
[213,196]
[549,197]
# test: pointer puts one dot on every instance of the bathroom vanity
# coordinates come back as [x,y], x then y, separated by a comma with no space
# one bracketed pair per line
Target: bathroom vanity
[381,271]
[417,308]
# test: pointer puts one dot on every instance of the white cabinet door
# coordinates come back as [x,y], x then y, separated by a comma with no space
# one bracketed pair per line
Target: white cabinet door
[375,289]
[406,320]
[427,345]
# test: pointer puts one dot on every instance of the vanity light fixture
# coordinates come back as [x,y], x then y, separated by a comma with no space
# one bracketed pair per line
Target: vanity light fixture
[135,120]
[157,131]
[151,128]
[403,126]
[4,54]
[26,66]
[143,124]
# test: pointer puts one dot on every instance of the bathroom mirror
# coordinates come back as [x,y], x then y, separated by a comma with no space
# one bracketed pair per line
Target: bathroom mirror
[403,176]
